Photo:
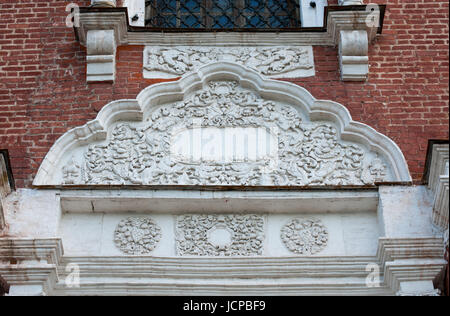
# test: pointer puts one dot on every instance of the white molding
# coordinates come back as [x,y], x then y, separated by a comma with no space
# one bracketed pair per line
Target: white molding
[337,21]
[178,202]
[30,263]
[158,94]
[103,21]
[439,165]
[101,33]
[438,183]
[406,266]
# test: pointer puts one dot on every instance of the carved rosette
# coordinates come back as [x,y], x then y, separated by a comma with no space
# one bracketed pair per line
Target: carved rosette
[293,61]
[220,235]
[137,236]
[304,237]
[309,153]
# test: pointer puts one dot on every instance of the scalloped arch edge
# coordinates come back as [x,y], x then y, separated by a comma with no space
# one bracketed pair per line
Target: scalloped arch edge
[161,93]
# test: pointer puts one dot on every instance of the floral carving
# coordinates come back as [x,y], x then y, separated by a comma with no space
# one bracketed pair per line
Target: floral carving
[137,236]
[243,235]
[72,172]
[309,153]
[269,61]
[305,237]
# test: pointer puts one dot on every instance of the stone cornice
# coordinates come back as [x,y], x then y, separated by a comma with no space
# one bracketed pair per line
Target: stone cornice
[337,18]
[40,262]
[355,23]
[103,19]
[20,250]
[31,261]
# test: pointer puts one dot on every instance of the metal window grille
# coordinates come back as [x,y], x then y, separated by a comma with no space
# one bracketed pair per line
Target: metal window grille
[222,14]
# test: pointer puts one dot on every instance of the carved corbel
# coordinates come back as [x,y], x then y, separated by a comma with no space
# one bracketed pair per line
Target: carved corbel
[352,30]
[353,55]
[102,32]
[101,55]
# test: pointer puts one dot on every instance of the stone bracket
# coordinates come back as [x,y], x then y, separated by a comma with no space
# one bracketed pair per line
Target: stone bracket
[353,55]
[101,55]
[101,30]
[352,31]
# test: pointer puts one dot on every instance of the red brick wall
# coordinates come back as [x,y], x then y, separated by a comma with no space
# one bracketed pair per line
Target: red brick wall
[43,91]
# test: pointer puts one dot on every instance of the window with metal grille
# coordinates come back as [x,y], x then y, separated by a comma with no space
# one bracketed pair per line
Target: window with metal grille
[223,14]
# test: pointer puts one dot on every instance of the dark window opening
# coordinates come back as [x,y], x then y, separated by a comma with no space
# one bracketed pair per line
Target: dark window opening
[223,14]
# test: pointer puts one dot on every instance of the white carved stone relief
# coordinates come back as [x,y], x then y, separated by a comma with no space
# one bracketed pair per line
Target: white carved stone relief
[308,153]
[137,236]
[130,140]
[275,62]
[220,235]
[304,237]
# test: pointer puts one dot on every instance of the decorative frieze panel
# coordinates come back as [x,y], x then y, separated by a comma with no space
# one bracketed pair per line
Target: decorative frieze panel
[220,235]
[137,236]
[304,237]
[274,62]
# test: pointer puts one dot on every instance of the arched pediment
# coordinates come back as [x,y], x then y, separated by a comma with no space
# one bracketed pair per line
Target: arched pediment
[218,126]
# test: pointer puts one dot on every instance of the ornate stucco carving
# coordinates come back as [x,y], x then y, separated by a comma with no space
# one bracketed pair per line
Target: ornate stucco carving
[137,236]
[172,62]
[304,237]
[220,235]
[308,153]
[319,144]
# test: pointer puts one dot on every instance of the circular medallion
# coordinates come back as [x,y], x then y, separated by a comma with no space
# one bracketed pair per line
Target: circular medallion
[137,236]
[305,237]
